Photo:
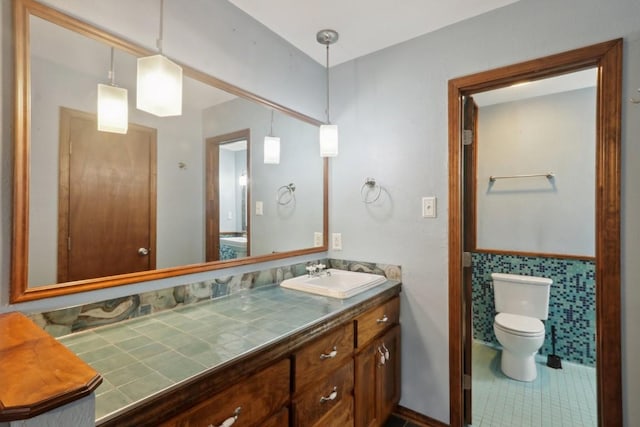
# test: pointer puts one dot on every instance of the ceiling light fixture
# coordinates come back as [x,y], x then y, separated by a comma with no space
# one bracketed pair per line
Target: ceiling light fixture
[328,132]
[113,105]
[159,83]
[271,147]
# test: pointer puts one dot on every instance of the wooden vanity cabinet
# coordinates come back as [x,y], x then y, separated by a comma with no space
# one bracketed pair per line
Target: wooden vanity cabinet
[377,364]
[256,401]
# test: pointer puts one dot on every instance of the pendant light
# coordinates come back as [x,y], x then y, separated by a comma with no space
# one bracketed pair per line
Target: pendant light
[328,132]
[113,105]
[271,147]
[159,82]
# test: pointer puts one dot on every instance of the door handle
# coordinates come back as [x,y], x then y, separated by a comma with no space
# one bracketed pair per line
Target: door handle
[143,251]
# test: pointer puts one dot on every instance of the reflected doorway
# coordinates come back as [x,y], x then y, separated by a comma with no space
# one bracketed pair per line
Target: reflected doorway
[228,196]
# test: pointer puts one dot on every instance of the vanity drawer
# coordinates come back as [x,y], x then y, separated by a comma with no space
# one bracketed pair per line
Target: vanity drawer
[328,392]
[322,356]
[377,320]
[257,397]
[340,416]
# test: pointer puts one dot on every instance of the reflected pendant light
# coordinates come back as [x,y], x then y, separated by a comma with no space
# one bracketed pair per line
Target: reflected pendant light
[271,147]
[159,82]
[113,105]
[328,132]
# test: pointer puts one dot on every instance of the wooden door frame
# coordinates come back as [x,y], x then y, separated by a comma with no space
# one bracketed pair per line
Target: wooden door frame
[607,57]
[212,197]
[64,194]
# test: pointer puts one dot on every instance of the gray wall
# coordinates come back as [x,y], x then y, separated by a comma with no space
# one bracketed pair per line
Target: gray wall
[552,133]
[391,107]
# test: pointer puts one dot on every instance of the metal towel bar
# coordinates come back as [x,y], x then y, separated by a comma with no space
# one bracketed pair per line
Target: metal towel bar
[549,175]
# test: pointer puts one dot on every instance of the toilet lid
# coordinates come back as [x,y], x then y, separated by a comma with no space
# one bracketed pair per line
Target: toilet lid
[520,325]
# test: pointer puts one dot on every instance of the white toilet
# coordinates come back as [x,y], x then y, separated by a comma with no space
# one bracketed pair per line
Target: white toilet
[521,303]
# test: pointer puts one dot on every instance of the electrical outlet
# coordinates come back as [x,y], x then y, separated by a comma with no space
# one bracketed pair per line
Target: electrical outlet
[259,210]
[429,207]
[317,239]
[336,241]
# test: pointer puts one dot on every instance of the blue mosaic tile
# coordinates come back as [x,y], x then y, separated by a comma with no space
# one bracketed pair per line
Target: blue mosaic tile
[572,301]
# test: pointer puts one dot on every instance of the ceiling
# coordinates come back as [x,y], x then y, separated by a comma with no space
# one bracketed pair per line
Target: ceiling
[365,26]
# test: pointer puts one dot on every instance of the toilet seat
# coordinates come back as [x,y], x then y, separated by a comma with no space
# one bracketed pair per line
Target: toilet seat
[516,324]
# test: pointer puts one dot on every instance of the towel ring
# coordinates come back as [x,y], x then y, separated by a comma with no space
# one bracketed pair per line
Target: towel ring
[285,194]
[370,185]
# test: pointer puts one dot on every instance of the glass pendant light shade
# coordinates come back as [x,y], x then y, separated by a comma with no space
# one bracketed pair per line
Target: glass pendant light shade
[328,140]
[159,86]
[271,150]
[113,109]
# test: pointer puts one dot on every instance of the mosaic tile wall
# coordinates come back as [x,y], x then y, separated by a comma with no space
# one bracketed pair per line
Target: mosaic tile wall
[572,301]
[73,319]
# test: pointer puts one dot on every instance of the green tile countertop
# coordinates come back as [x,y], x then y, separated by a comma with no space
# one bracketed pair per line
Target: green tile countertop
[147,355]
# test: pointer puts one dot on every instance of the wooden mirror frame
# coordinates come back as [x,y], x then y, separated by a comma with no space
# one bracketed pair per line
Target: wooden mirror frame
[607,58]
[19,289]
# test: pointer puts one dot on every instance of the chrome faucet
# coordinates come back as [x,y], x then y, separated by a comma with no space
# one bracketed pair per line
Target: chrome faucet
[317,270]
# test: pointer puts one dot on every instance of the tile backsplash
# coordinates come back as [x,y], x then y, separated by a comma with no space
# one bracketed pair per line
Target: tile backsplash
[73,319]
[571,302]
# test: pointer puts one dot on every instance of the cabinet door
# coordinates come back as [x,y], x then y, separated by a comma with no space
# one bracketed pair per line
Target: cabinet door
[389,373]
[365,390]
[377,382]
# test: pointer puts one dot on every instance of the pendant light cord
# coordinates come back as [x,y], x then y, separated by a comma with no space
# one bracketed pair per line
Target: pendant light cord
[328,118]
[271,131]
[159,39]
[112,77]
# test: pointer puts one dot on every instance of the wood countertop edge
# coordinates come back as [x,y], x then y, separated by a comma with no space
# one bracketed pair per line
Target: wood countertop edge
[20,337]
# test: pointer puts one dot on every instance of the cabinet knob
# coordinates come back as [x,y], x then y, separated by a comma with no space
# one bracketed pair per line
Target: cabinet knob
[232,419]
[333,353]
[384,319]
[387,354]
[331,396]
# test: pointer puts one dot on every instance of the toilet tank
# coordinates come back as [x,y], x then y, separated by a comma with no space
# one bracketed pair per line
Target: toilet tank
[523,295]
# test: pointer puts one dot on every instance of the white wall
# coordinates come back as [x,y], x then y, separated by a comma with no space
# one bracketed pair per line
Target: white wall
[552,133]
[391,107]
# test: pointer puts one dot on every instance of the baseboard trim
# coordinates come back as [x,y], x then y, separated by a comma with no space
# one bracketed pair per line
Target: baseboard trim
[418,418]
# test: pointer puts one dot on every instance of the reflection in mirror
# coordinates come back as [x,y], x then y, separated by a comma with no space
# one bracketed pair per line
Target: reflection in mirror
[103,204]
[536,128]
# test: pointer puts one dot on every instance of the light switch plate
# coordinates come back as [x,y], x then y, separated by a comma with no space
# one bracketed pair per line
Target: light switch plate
[429,207]
[259,210]
[317,239]
[336,241]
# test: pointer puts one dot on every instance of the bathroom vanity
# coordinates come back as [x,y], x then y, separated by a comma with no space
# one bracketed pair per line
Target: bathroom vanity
[298,360]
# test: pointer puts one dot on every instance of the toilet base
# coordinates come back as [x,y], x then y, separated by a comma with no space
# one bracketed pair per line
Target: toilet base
[519,367]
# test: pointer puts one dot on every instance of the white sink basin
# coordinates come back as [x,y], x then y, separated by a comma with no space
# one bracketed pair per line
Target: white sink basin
[337,283]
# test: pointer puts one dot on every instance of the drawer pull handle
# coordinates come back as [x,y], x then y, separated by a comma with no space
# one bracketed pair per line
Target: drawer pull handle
[382,357]
[332,395]
[384,319]
[329,355]
[229,421]
[386,351]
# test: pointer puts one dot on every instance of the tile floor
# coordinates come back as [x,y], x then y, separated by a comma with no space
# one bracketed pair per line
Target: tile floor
[558,397]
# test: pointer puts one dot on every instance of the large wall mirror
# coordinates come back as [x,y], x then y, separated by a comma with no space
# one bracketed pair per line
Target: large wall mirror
[94,209]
